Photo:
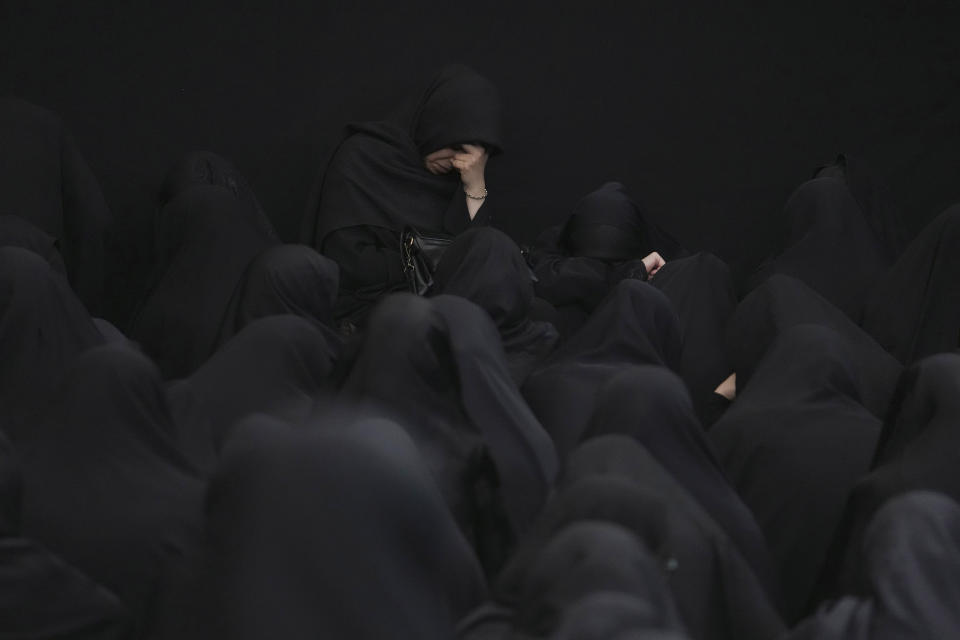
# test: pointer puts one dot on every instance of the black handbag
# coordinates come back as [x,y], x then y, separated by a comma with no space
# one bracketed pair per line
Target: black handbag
[421,253]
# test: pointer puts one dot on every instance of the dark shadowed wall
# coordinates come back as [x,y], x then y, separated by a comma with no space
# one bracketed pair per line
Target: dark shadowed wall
[710,112]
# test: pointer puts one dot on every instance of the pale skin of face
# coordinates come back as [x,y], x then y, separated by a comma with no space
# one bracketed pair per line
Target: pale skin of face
[468,159]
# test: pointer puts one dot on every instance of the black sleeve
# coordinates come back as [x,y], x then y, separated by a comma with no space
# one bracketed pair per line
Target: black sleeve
[456,219]
[565,280]
[366,256]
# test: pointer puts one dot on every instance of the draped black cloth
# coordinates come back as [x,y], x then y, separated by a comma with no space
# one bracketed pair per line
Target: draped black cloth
[614,479]
[635,325]
[199,168]
[783,302]
[914,310]
[794,442]
[206,239]
[911,566]
[43,327]
[917,451]
[602,241]
[590,559]
[609,615]
[334,531]
[17,232]
[437,366]
[375,184]
[651,405]
[104,485]
[486,267]
[701,289]
[40,595]
[278,365]
[45,180]
[285,280]
[827,244]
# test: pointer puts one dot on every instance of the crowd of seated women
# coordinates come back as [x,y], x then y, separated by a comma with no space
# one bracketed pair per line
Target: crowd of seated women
[599,436]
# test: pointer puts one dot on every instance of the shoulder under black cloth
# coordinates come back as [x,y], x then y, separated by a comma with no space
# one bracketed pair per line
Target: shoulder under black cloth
[794,442]
[41,596]
[652,405]
[914,309]
[277,365]
[43,328]
[105,486]
[331,531]
[911,565]
[45,180]
[917,451]
[634,325]
[17,232]
[286,280]
[206,239]
[486,267]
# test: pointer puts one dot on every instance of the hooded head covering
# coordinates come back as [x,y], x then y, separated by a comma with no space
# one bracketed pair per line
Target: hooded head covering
[43,327]
[607,224]
[486,267]
[376,176]
[45,180]
[309,528]
[793,443]
[438,366]
[277,365]
[587,559]
[206,239]
[653,406]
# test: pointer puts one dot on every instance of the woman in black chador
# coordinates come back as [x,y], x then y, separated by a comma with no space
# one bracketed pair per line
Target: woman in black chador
[423,167]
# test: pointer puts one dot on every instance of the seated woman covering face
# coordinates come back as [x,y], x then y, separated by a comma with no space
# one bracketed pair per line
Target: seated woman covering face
[422,167]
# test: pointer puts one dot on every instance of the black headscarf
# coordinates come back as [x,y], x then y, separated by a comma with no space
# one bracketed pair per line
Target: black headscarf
[588,559]
[105,486]
[794,443]
[43,327]
[40,595]
[206,239]
[914,309]
[614,479]
[277,365]
[486,267]
[199,168]
[652,405]
[617,616]
[607,224]
[911,566]
[917,451]
[782,302]
[438,366]
[634,325]
[828,244]
[45,180]
[286,279]
[334,531]
[376,176]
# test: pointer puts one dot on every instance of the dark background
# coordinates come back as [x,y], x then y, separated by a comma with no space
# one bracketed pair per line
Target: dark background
[710,112]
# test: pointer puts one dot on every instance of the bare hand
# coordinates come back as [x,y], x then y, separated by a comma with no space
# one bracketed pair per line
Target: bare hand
[471,162]
[653,263]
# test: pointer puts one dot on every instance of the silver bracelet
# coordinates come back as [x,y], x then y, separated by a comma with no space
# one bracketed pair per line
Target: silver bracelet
[473,197]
